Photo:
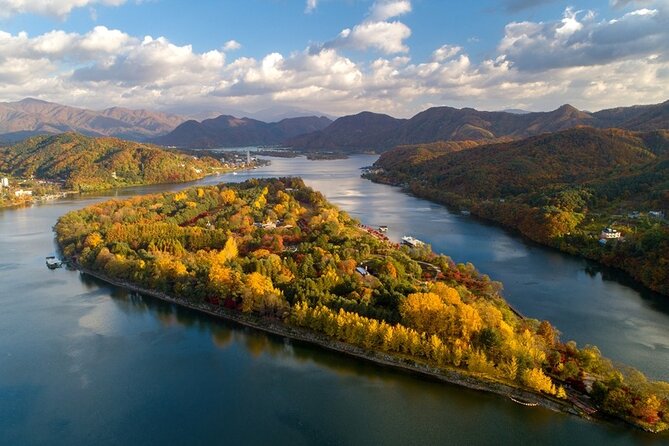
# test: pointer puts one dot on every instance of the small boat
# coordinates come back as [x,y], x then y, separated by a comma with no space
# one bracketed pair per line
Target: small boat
[411,241]
[383,228]
[465,212]
[52,262]
[234,173]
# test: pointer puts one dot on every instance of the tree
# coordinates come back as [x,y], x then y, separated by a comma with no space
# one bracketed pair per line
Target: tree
[536,379]
[93,240]
[229,251]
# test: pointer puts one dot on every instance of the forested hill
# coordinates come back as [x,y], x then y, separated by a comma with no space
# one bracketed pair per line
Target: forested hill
[495,171]
[87,163]
[560,189]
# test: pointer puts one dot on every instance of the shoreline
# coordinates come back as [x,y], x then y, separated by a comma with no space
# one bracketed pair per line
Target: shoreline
[66,193]
[450,376]
[629,274]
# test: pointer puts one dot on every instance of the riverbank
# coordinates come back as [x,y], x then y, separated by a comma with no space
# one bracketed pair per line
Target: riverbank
[447,375]
[66,193]
[490,211]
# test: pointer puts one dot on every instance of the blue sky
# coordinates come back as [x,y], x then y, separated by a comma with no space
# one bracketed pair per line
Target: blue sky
[335,56]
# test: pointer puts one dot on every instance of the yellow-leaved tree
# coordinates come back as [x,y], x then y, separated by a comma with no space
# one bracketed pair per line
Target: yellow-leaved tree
[536,379]
[229,250]
[260,296]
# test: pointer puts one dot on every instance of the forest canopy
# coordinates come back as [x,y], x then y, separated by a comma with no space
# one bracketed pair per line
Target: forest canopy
[560,189]
[276,249]
[85,163]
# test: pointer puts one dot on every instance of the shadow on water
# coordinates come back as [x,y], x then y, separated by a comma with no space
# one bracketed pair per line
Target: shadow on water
[283,352]
[116,367]
[657,302]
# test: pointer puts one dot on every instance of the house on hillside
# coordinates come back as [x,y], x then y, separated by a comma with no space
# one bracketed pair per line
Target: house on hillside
[656,214]
[609,234]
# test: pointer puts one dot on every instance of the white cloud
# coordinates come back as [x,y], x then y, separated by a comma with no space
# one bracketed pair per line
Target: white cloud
[387,37]
[445,52]
[387,9]
[579,58]
[310,6]
[231,45]
[580,39]
[55,8]
[376,31]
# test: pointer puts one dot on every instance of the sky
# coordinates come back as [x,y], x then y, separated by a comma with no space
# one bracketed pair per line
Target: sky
[335,56]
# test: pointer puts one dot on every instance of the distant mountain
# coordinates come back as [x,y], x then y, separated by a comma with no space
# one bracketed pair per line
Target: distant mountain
[270,113]
[32,116]
[516,111]
[452,124]
[228,131]
[640,117]
[278,113]
[364,131]
[381,132]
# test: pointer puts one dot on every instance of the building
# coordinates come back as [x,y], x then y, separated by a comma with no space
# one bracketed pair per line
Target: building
[4,182]
[362,271]
[412,242]
[268,225]
[656,214]
[609,234]
[23,193]
[634,214]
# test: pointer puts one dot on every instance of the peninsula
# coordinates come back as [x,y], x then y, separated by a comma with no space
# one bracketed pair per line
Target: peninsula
[274,254]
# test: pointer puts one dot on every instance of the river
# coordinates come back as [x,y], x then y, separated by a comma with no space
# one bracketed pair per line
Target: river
[82,362]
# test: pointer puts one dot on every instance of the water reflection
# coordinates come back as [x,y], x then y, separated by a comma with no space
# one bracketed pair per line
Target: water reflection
[83,362]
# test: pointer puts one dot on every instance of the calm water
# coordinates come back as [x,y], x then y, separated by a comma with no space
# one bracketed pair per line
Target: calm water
[85,363]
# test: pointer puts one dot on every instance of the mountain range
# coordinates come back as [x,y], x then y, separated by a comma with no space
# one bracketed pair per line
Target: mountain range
[371,131]
[30,117]
[229,131]
[364,131]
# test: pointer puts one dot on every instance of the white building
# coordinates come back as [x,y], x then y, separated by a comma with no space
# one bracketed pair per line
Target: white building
[4,182]
[609,234]
[23,193]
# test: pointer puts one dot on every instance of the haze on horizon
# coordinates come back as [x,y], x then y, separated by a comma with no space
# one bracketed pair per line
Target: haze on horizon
[335,56]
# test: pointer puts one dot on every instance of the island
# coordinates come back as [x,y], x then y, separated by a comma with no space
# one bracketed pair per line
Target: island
[276,255]
[602,194]
[50,166]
